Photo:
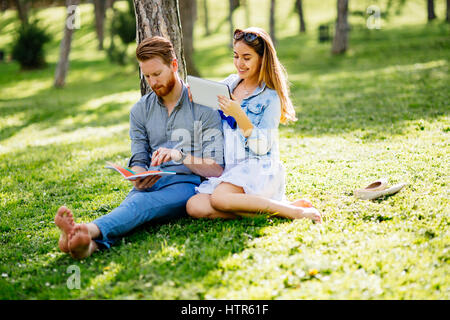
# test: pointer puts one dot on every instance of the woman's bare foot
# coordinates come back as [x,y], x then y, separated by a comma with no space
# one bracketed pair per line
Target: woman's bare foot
[80,242]
[310,213]
[304,203]
[64,221]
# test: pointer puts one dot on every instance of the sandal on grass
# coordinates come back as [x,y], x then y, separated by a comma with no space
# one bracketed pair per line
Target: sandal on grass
[378,189]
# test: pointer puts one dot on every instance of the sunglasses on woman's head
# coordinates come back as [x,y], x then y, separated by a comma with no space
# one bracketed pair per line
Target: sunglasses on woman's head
[249,37]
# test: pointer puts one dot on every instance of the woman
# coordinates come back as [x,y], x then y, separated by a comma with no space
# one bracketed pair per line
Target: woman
[253,179]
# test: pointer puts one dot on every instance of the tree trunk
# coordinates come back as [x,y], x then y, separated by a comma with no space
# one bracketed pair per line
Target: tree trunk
[430,6]
[109,4]
[4,5]
[206,17]
[188,15]
[233,5]
[247,12]
[100,12]
[160,18]
[299,5]
[448,11]
[23,7]
[272,22]
[230,20]
[63,63]
[340,41]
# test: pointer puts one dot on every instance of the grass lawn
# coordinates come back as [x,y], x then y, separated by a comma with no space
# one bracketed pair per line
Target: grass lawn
[381,110]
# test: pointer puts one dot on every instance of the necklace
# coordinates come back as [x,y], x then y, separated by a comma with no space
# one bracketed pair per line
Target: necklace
[246,91]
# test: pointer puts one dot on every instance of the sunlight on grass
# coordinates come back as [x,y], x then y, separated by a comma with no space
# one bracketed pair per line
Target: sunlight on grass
[16,119]
[105,279]
[380,110]
[25,88]
[126,98]
[33,136]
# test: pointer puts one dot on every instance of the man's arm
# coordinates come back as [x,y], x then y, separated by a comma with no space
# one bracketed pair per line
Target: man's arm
[205,167]
[140,148]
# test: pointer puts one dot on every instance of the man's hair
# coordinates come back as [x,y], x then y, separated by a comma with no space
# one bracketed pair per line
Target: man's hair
[153,47]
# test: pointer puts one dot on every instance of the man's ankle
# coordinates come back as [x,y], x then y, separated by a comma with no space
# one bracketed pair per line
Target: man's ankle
[93,230]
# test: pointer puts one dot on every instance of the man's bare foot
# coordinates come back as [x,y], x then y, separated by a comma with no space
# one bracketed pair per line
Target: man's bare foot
[304,203]
[64,221]
[311,213]
[80,242]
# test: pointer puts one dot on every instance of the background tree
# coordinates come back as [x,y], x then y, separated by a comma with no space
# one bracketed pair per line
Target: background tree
[160,18]
[448,11]
[245,4]
[431,13]
[233,5]
[63,62]
[100,13]
[23,6]
[299,7]
[122,33]
[272,22]
[340,41]
[188,16]
[206,17]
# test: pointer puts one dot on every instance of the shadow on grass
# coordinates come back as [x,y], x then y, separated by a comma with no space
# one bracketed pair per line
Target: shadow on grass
[167,261]
[161,259]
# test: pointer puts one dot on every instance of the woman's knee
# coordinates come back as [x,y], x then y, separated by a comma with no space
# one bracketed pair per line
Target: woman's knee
[197,206]
[220,202]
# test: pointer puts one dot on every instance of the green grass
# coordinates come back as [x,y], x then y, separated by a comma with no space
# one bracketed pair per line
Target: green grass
[381,110]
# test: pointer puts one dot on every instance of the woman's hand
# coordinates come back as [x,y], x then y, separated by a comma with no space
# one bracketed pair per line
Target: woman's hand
[229,107]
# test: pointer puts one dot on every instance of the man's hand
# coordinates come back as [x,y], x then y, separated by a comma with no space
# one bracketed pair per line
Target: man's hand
[143,183]
[165,155]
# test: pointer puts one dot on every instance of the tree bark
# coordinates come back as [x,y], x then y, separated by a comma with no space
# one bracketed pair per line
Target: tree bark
[160,18]
[4,5]
[431,13]
[272,22]
[340,41]
[100,12]
[63,63]
[23,7]
[230,21]
[109,4]
[448,11]
[299,5]
[247,12]
[206,17]
[188,16]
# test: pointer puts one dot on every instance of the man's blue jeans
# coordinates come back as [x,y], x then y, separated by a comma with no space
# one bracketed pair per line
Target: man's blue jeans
[166,199]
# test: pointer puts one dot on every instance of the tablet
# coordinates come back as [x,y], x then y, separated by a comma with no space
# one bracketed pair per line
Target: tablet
[205,92]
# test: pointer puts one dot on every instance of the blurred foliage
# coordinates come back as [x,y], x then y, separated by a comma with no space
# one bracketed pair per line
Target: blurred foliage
[123,26]
[28,47]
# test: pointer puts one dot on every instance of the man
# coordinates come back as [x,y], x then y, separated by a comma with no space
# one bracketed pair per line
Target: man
[167,132]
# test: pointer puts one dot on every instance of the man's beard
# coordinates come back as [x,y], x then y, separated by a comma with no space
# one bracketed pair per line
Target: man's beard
[164,90]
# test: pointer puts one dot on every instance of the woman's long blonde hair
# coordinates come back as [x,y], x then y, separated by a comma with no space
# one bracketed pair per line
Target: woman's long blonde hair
[272,72]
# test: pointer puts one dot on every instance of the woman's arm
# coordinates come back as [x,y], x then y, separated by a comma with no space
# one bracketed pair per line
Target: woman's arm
[259,138]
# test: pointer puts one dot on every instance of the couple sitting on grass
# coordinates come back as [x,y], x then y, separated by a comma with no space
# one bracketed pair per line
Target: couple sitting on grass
[243,135]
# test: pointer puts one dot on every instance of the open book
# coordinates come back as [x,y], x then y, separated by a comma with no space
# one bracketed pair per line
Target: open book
[131,175]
